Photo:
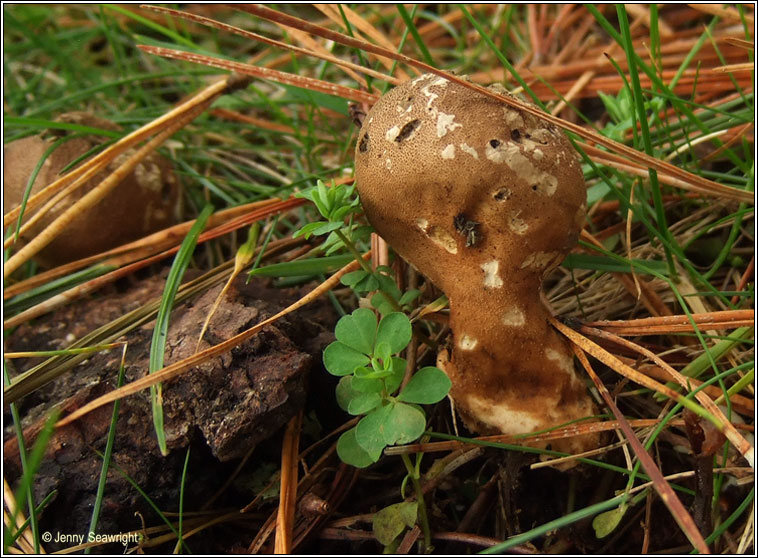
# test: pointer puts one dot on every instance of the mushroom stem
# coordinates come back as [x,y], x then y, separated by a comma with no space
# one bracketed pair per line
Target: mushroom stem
[511,372]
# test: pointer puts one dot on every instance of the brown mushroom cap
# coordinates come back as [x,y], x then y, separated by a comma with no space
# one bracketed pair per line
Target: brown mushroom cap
[144,202]
[456,153]
[483,199]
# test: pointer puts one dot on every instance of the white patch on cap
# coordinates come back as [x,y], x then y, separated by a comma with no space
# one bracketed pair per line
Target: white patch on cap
[513,117]
[445,123]
[510,154]
[491,277]
[448,152]
[467,343]
[517,224]
[426,90]
[542,135]
[466,148]
[392,133]
[422,77]
[513,317]
[422,224]
[442,238]
[388,164]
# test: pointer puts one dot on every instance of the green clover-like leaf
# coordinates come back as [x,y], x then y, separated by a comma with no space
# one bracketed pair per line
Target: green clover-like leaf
[428,385]
[409,296]
[367,384]
[605,523]
[395,378]
[341,360]
[351,452]
[388,285]
[395,330]
[391,521]
[345,392]
[360,281]
[382,356]
[402,423]
[382,303]
[364,403]
[357,330]
[370,431]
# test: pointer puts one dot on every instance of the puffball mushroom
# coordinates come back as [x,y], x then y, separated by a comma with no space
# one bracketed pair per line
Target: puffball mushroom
[483,199]
[144,202]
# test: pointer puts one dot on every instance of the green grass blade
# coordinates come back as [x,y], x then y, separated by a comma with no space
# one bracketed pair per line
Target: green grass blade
[30,182]
[503,60]
[721,529]
[24,467]
[602,263]
[173,35]
[559,523]
[416,36]
[158,344]
[106,455]
[180,541]
[32,297]
[639,102]
[42,124]
[310,267]
[11,538]
[24,491]
[149,500]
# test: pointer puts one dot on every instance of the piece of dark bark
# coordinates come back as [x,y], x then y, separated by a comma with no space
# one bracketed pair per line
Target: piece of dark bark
[220,409]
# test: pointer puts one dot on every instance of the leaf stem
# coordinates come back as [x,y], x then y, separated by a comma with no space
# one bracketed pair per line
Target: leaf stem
[353,250]
[421,505]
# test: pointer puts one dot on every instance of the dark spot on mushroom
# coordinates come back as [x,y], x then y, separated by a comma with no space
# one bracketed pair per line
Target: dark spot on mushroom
[458,222]
[408,129]
[494,143]
[467,228]
[528,136]
[363,145]
[516,135]
[357,114]
[534,187]
[502,195]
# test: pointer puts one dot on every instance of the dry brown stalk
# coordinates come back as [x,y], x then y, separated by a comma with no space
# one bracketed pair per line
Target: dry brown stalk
[666,493]
[682,322]
[135,250]
[288,487]
[610,360]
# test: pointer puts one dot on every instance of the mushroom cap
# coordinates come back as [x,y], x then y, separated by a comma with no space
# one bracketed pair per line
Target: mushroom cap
[144,202]
[448,175]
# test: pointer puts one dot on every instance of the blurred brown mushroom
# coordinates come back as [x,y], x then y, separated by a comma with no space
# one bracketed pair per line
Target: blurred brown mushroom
[144,202]
[484,200]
